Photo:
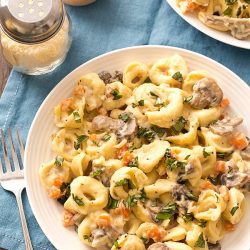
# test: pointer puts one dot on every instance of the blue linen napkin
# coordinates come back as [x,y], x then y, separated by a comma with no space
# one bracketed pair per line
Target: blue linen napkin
[98,28]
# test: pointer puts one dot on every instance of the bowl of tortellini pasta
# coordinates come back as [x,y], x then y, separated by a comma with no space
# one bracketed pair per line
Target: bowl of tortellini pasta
[143,148]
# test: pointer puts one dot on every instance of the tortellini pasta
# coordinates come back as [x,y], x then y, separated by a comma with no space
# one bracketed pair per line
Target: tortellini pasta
[139,163]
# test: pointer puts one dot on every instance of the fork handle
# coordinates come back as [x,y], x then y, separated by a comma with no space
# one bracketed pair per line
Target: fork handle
[28,245]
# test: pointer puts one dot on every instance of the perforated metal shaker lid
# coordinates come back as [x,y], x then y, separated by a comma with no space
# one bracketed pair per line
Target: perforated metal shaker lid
[31,21]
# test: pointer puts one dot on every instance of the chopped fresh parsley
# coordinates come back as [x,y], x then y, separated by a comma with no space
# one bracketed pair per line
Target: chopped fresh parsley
[234,209]
[205,153]
[238,11]
[230,2]
[116,94]
[158,130]
[148,80]
[133,163]
[178,126]
[171,162]
[141,103]
[106,137]
[192,197]
[116,245]
[133,199]
[188,99]
[134,105]
[214,180]
[217,198]
[124,117]
[80,139]
[178,76]
[59,161]
[96,173]
[227,11]
[158,102]
[77,117]
[87,237]
[200,242]
[153,94]
[65,191]
[223,155]
[145,240]
[112,203]
[78,200]
[167,212]
[188,217]
[187,157]
[125,182]
[145,133]
[202,223]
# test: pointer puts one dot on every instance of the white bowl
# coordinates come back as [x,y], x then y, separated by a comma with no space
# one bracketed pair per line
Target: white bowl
[224,37]
[49,212]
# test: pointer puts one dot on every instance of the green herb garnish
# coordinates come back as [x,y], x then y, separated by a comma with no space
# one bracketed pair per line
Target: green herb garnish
[112,203]
[116,94]
[178,126]
[223,155]
[158,102]
[145,133]
[133,199]
[78,200]
[187,157]
[213,180]
[188,217]
[200,242]
[230,2]
[59,161]
[80,139]
[205,153]
[234,209]
[178,76]
[124,117]
[202,223]
[141,103]
[106,137]
[87,237]
[192,197]
[227,11]
[133,163]
[158,130]
[125,182]
[188,99]
[77,117]
[167,212]
[116,245]
[153,94]
[145,240]
[96,173]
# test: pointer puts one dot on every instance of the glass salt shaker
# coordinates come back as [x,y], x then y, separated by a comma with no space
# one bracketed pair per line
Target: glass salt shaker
[35,34]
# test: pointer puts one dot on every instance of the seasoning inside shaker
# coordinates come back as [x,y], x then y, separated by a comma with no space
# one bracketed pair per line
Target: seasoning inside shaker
[35,34]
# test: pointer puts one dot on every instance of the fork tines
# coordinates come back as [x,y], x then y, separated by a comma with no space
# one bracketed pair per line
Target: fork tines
[17,171]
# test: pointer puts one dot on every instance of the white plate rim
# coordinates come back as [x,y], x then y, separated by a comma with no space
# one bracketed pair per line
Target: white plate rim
[221,36]
[26,172]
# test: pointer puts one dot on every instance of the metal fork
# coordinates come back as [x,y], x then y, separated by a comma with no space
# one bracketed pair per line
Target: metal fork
[13,181]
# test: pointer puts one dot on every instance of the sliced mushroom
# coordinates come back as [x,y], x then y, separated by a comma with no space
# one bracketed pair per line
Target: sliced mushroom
[153,209]
[216,246]
[206,94]
[106,123]
[158,246]
[98,233]
[121,128]
[234,179]
[245,154]
[109,78]
[129,128]
[226,125]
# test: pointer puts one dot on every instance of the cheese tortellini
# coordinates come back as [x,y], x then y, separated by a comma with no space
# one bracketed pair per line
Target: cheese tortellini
[148,158]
